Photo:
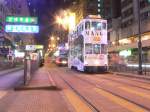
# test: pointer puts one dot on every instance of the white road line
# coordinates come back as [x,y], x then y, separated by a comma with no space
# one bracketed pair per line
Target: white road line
[51,80]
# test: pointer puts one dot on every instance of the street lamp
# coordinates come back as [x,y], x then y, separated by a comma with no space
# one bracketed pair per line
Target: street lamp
[140,71]
[58,38]
[52,38]
[67,19]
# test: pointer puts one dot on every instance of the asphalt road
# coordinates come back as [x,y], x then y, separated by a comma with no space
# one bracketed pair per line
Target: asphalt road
[76,92]
[10,80]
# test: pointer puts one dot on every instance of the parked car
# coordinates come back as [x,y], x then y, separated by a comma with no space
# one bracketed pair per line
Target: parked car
[61,61]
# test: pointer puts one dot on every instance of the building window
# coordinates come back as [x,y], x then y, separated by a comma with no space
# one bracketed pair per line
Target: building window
[125,3]
[127,13]
[145,15]
[144,3]
[87,25]
[127,23]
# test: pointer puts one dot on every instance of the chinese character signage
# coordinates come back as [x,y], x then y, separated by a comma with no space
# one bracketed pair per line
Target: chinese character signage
[28,20]
[22,28]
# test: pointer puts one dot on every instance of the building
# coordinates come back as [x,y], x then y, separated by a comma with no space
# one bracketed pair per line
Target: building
[19,8]
[83,8]
[5,43]
[11,41]
[124,32]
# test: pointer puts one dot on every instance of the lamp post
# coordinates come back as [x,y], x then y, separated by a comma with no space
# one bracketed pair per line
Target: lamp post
[139,40]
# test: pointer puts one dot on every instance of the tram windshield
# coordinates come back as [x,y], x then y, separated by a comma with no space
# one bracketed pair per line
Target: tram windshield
[92,48]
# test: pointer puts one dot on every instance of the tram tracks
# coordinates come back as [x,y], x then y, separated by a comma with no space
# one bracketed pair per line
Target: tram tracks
[83,98]
[113,93]
[126,83]
[131,79]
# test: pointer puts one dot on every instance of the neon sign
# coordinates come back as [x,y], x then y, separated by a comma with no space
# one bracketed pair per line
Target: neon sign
[22,28]
[13,19]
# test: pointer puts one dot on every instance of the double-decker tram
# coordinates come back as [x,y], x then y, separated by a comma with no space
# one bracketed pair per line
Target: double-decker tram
[88,45]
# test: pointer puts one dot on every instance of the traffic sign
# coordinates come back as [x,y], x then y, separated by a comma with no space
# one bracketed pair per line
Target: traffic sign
[15,19]
[22,28]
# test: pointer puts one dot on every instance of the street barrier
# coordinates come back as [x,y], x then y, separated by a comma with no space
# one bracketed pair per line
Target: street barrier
[128,69]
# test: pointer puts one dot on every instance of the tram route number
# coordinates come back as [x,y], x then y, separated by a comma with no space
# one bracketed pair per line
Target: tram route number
[96,38]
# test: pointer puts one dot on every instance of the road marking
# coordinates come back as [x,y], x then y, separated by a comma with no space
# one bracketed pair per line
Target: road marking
[146,87]
[145,95]
[76,102]
[130,106]
[51,80]
[2,94]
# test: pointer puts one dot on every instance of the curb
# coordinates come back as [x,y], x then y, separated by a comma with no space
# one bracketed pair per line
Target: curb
[132,76]
[25,88]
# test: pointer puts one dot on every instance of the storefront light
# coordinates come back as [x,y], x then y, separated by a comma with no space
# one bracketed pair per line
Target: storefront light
[125,41]
[125,53]
[136,65]
[146,37]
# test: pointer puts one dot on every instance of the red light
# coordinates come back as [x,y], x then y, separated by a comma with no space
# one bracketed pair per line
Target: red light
[58,60]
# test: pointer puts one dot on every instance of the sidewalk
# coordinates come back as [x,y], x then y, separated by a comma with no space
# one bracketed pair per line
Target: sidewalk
[41,78]
[38,97]
[133,75]
[7,71]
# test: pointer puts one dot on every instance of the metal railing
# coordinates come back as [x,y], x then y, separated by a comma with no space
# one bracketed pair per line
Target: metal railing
[128,69]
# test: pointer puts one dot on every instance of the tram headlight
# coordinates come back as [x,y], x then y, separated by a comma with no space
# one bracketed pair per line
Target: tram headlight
[96,62]
[85,63]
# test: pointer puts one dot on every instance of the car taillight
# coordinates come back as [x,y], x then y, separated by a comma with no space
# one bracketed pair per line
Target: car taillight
[58,61]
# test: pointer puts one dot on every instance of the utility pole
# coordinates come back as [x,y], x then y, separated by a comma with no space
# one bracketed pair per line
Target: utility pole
[140,71]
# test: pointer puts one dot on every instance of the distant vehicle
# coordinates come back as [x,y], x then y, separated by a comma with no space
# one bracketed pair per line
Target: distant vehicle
[62,59]
[41,62]
[88,45]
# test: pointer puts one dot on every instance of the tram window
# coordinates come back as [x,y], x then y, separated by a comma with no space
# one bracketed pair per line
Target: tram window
[87,25]
[88,48]
[103,48]
[96,48]
[103,25]
[82,28]
[96,25]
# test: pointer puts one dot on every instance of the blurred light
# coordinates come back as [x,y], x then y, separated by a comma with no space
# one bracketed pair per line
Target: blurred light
[59,20]
[99,10]
[146,37]
[64,62]
[125,53]
[58,38]
[57,53]
[53,45]
[52,38]
[41,53]
[39,46]
[124,41]
[72,21]
[66,46]
[136,65]
[96,62]
[66,19]
[85,63]
[19,54]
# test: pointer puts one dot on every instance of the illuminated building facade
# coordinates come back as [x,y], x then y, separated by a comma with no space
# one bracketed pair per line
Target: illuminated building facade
[124,31]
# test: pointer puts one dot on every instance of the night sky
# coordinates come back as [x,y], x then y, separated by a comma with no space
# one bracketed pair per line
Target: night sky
[45,10]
